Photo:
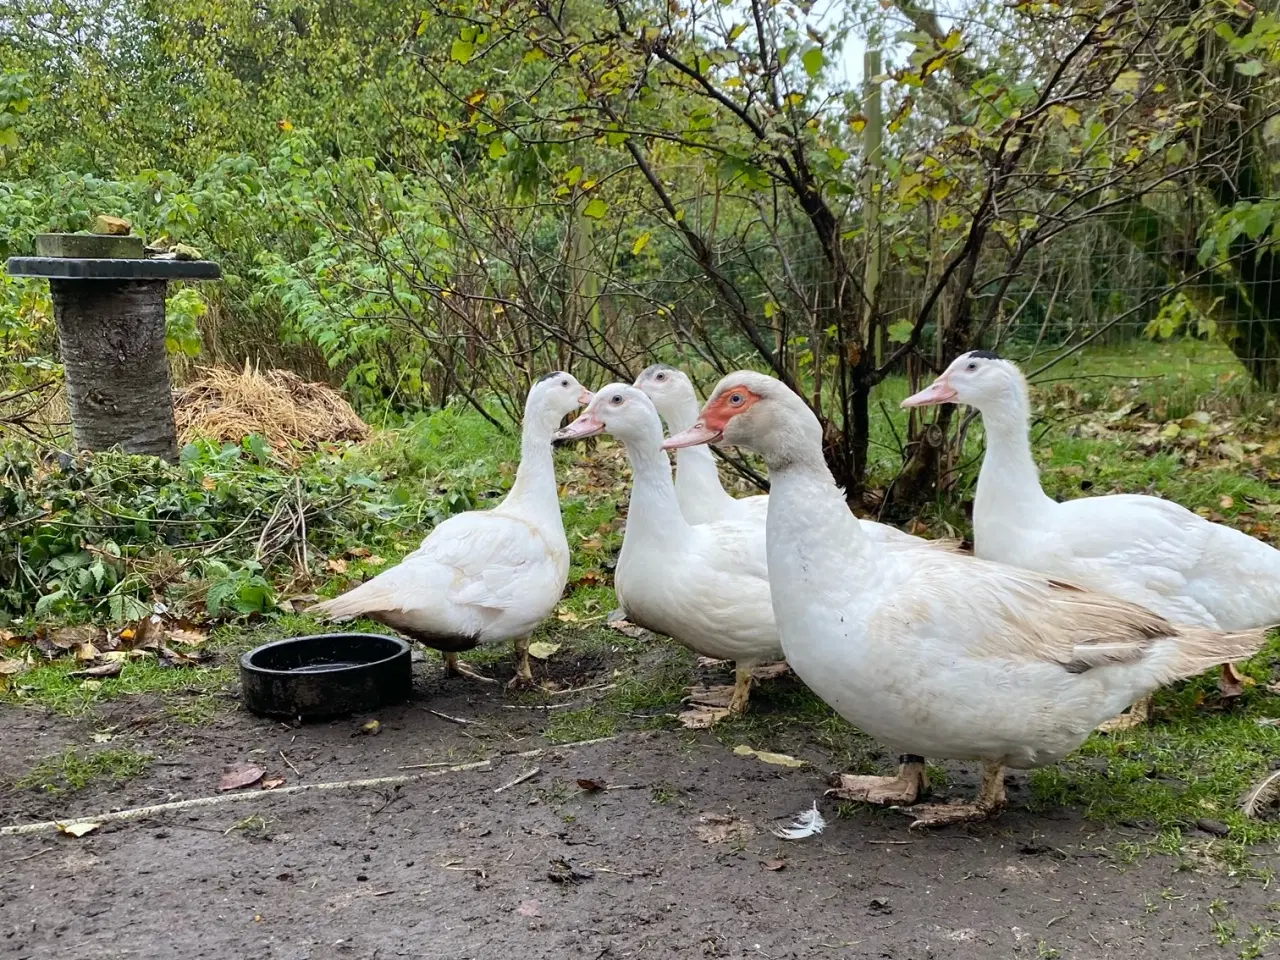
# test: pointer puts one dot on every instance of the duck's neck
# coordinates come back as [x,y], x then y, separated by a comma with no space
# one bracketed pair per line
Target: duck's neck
[1008,482]
[654,513]
[534,493]
[697,476]
[811,535]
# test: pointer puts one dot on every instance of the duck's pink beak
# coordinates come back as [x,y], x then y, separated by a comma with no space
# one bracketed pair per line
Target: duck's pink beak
[698,433]
[940,391]
[585,426]
[586,396]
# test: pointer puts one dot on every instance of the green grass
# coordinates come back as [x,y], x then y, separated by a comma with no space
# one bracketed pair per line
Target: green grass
[73,770]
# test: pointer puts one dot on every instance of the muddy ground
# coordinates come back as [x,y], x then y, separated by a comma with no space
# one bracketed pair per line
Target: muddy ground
[515,859]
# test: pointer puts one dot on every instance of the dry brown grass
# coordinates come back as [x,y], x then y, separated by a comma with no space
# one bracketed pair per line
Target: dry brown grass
[292,414]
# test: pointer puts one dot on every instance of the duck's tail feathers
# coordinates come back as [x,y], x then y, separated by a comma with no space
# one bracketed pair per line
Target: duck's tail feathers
[1200,650]
[367,599]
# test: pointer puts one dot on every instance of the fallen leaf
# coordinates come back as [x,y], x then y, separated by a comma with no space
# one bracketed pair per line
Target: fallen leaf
[78,829]
[272,782]
[86,651]
[719,828]
[529,909]
[634,631]
[337,565]
[764,756]
[208,483]
[67,637]
[111,668]
[240,775]
[591,786]
[375,561]
[357,551]
[187,638]
[567,616]
[370,729]
[9,668]
[1226,502]
[542,650]
[774,864]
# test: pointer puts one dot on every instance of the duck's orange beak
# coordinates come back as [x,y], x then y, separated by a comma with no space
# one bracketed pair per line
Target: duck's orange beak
[940,391]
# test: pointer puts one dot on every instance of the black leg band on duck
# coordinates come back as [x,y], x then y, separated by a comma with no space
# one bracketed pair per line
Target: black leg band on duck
[909,758]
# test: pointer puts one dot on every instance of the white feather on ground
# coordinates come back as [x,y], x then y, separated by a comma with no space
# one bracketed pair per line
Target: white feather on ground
[1261,797]
[808,823]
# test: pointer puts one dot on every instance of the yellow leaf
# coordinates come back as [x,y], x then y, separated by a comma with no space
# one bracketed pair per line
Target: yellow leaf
[1068,116]
[78,829]
[543,651]
[764,756]
[1127,82]
[858,122]
[940,189]
[642,241]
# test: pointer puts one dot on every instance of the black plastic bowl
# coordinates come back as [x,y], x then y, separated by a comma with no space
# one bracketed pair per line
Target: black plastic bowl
[329,675]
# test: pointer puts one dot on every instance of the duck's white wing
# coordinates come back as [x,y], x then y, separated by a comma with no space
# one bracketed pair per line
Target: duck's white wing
[732,548]
[493,560]
[991,611]
[472,568]
[882,534]
[1143,549]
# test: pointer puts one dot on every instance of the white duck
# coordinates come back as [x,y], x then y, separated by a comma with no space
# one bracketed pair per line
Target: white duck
[487,575]
[1142,549]
[934,653]
[701,496]
[705,586]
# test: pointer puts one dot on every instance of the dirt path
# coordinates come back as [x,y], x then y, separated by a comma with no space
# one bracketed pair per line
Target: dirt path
[452,867]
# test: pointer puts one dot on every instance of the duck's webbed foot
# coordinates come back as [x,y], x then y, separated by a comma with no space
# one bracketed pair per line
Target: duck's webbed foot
[906,788]
[991,801]
[453,667]
[1137,715]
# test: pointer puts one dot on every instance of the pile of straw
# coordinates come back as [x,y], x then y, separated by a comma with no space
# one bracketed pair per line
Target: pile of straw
[290,413]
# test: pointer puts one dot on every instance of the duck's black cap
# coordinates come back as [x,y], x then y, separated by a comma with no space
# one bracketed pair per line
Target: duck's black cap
[548,376]
[985,354]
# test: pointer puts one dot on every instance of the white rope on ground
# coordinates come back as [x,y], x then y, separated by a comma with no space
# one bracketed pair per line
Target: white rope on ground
[136,813]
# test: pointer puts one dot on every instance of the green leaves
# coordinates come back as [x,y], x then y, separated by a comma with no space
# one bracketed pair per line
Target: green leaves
[900,331]
[814,60]
[461,51]
[596,208]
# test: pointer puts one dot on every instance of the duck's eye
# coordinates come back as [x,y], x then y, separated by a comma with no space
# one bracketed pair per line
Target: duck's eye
[564,382]
[616,399]
[971,366]
[659,377]
[736,399]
